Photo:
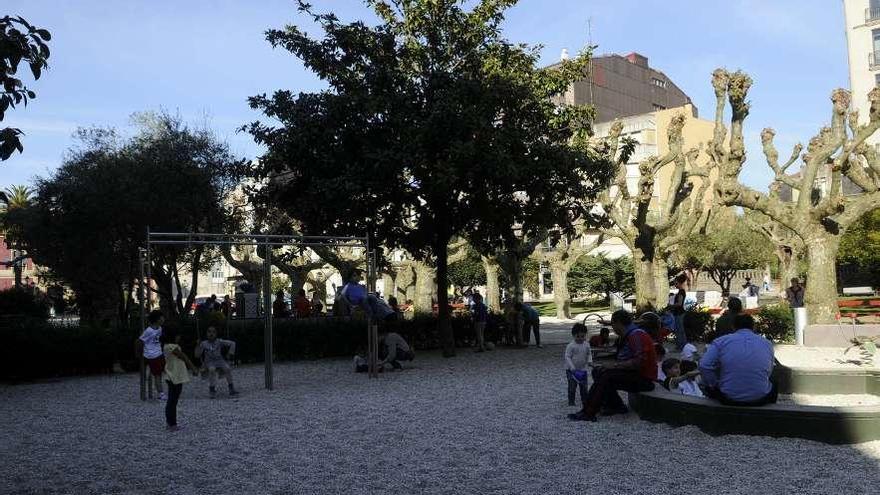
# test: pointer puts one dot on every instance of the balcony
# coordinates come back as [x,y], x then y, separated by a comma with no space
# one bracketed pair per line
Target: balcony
[872,15]
[874,60]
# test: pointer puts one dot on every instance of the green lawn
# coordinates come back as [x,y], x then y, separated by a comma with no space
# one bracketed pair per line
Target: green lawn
[577,307]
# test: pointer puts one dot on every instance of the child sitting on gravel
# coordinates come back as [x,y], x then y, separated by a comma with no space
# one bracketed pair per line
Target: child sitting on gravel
[681,376]
[360,362]
[578,358]
[213,363]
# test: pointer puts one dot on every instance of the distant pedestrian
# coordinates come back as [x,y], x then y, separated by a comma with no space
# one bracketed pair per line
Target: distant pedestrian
[317,305]
[480,315]
[676,307]
[279,306]
[750,289]
[175,374]
[302,305]
[795,294]
[531,323]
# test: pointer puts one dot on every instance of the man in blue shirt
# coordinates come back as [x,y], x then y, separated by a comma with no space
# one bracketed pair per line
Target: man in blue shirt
[736,368]
[531,323]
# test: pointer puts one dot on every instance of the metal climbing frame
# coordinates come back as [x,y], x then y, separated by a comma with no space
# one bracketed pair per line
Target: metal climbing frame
[268,242]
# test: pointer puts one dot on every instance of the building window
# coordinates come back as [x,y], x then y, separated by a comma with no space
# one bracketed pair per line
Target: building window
[660,83]
[658,108]
[875,35]
[876,79]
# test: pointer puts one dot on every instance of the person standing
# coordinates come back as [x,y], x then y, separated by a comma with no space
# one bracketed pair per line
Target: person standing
[480,315]
[149,344]
[578,357]
[795,294]
[531,323]
[677,310]
[301,305]
[279,307]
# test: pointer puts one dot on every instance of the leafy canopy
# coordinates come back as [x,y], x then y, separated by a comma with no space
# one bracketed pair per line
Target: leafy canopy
[19,42]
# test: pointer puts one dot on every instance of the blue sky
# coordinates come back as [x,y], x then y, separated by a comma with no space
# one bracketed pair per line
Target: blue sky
[203,58]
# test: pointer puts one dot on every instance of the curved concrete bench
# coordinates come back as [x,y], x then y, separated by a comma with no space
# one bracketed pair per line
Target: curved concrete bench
[835,425]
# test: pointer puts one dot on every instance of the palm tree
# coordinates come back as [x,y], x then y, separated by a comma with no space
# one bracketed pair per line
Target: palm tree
[13,197]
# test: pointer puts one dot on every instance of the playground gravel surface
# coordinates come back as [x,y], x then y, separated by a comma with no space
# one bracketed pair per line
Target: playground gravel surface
[491,423]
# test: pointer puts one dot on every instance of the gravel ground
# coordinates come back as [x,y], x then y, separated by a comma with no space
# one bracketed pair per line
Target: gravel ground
[491,423]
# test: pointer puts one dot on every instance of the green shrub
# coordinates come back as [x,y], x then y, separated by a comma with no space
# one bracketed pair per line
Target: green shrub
[699,325]
[35,348]
[21,302]
[776,322]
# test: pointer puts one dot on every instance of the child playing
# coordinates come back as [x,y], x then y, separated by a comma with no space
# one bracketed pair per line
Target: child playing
[683,382]
[148,344]
[578,358]
[660,352]
[360,362]
[176,364]
[210,352]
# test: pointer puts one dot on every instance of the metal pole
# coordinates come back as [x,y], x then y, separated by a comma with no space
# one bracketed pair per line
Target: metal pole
[267,308]
[149,295]
[142,364]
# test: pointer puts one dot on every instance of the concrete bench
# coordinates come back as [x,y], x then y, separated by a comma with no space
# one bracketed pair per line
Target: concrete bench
[858,291]
[834,425]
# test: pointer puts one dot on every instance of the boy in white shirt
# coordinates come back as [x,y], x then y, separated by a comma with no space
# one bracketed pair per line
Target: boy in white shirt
[682,382]
[149,345]
[578,358]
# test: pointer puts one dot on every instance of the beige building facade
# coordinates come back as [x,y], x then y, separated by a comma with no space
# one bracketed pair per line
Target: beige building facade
[863,47]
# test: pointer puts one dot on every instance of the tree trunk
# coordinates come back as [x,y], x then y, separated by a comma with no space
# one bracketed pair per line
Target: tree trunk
[661,283]
[493,289]
[820,296]
[444,323]
[788,266]
[561,297]
[646,290]
[425,276]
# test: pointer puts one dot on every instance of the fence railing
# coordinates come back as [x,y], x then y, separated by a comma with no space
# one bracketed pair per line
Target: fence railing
[872,14]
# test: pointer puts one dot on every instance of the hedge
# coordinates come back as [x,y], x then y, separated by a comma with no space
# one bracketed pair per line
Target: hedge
[37,349]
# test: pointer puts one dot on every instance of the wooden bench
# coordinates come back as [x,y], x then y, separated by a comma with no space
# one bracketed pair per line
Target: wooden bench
[858,291]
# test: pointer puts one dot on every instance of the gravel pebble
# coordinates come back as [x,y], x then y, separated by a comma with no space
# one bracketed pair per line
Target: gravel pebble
[490,423]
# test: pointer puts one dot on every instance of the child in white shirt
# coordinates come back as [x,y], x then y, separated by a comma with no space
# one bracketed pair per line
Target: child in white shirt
[578,358]
[684,383]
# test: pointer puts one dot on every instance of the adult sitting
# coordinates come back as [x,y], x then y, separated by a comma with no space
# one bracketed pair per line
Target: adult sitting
[635,370]
[736,368]
[724,325]
[394,349]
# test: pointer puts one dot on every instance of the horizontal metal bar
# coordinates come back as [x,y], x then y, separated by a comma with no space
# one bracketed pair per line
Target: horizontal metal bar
[257,236]
[254,243]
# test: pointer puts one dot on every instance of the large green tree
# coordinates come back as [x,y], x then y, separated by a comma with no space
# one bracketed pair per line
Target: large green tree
[19,42]
[89,218]
[725,250]
[860,245]
[600,274]
[432,124]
